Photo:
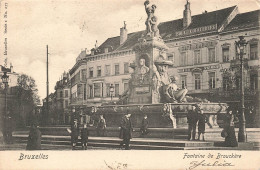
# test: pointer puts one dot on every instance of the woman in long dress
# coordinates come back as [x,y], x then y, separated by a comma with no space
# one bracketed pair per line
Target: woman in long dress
[230,139]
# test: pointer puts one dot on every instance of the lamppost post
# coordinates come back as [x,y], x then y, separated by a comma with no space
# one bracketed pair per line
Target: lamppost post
[5,79]
[241,44]
[111,90]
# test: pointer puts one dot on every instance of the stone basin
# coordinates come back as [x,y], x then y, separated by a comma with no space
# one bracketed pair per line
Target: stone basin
[158,115]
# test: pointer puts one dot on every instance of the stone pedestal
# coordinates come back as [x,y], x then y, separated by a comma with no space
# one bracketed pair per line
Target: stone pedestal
[143,84]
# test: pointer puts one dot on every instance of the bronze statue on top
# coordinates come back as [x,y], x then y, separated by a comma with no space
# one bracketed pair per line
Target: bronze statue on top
[151,21]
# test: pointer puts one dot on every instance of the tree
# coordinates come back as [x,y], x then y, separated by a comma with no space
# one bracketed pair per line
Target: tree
[27,97]
[27,89]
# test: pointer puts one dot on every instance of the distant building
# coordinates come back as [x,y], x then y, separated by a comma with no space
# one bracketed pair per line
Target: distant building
[59,101]
[63,99]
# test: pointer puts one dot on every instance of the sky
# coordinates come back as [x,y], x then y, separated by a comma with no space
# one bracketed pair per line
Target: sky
[69,26]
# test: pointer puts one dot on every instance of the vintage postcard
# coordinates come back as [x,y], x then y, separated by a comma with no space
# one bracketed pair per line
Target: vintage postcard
[133,84]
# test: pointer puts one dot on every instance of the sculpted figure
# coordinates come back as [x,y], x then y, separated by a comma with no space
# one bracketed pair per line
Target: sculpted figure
[173,94]
[151,21]
[142,69]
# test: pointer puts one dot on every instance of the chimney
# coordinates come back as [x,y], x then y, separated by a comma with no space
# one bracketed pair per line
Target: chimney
[11,68]
[187,15]
[93,51]
[123,34]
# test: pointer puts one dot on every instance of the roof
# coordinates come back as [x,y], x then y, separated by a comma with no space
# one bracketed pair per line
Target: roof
[244,21]
[132,39]
[168,29]
[111,43]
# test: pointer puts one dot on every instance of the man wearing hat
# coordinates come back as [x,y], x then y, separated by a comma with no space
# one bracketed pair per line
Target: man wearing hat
[126,130]
[192,118]
[74,134]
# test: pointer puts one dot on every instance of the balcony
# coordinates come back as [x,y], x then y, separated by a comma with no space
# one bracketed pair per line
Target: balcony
[235,63]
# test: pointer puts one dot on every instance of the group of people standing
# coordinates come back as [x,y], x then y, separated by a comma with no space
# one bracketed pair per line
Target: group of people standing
[126,129]
[195,116]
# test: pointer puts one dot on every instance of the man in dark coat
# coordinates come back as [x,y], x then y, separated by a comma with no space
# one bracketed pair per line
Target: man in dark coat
[201,123]
[126,131]
[74,134]
[34,138]
[84,137]
[144,126]
[192,118]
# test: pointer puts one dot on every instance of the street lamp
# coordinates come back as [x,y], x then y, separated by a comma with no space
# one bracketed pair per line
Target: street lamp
[111,90]
[240,46]
[5,79]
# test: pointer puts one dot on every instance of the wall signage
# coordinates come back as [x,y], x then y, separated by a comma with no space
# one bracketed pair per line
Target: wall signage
[197,30]
[198,68]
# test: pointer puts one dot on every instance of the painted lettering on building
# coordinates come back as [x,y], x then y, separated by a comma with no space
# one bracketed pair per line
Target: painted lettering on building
[197,30]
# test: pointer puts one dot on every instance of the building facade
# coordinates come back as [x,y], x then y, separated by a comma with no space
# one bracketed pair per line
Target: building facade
[202,48]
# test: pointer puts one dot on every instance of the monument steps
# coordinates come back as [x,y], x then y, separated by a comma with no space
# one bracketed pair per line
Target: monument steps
[61,142]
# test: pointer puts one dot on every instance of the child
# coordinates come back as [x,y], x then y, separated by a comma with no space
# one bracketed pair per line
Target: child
[84,137]
[144,126]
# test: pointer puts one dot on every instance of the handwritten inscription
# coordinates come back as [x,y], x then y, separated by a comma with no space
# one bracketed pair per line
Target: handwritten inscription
[210,160]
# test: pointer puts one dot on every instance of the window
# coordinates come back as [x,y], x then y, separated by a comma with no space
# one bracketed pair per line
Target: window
[98,71]
[66,103]
[107,70]
[91,91]
[225,54]
[197,81]
[253,51]
[226,83]
[183,81]
[84,74]
[116,90]
[253,81]
[237,82]
[85,92]
[61,94]
[212,57]
[116,69]
[108,90]
[183,59]
[97,90]
[197,58]
[212,80]
[126,86]
[126,68]
[91,72]
[66,93]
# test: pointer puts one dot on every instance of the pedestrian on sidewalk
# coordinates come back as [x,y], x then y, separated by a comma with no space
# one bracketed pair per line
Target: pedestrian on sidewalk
[126,131]
[229,130]
[8,128]
[84,137]
[74,134]
[101,126]
[34,138]
[201,123]
[192,119]
[144,126]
